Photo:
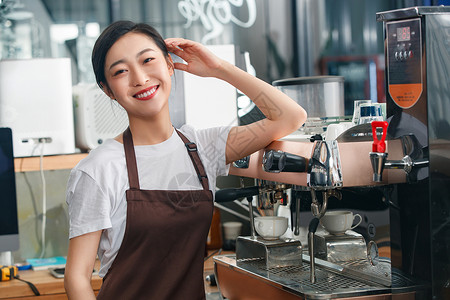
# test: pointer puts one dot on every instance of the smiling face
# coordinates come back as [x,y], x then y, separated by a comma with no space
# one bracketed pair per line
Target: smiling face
[138,76]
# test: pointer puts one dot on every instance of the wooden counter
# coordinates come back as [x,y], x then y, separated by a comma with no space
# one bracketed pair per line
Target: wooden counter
[53,288]
[51,162]
[48,286]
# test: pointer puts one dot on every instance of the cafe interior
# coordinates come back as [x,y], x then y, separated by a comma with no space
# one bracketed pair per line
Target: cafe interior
[355,204]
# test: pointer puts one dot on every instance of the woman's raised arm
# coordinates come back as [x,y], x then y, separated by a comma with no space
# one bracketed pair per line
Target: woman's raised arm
[283,115]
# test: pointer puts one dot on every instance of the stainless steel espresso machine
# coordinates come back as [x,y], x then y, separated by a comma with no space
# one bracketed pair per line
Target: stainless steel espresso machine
[396,174]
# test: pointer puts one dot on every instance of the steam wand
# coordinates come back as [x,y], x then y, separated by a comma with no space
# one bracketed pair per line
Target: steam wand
[317,210]
[250,210]
[311,230]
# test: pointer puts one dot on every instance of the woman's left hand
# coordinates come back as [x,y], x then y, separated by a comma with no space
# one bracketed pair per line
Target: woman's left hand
[199,60]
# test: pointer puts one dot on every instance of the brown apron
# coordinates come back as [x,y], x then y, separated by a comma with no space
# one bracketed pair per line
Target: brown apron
[161,255]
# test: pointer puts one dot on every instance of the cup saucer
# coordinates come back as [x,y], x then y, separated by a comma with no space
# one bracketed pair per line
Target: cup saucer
[270,238]
[337,233]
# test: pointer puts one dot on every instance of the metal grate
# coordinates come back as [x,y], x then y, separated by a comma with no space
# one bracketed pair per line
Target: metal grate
[382,270]
[398,280]
[329,284]
[325,281]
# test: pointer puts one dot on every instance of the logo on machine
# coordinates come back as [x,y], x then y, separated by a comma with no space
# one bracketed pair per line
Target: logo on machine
[405,95]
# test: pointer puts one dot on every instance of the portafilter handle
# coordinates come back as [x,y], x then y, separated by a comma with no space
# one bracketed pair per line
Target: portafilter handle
[231,194]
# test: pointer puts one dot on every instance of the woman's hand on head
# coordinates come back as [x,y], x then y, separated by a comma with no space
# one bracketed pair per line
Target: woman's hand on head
[199,60]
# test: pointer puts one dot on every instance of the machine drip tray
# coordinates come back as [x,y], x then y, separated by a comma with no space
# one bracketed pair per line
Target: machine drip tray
[295,280]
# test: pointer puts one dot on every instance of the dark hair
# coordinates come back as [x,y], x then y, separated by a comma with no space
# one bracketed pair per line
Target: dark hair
[110,35]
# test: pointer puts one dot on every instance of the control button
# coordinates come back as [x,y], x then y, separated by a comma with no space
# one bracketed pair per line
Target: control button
[405,55]
[410,54]
[396,55]
[400,55]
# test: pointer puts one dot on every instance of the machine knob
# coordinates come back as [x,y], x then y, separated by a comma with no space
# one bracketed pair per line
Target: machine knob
[294,163]
[273,161]
[405,54]
[276,161]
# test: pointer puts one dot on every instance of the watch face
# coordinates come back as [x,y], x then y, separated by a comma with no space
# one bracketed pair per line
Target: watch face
[372,253]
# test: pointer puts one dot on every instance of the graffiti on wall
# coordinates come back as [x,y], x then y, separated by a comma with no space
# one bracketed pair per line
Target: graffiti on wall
[214,14]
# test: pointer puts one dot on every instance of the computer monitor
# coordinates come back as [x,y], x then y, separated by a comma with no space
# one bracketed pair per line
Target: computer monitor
[9,225]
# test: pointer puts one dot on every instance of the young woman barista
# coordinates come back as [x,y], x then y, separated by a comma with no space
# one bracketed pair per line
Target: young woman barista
[143,201]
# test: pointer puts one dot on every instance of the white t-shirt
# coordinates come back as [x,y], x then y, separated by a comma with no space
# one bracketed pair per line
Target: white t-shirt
[96,187]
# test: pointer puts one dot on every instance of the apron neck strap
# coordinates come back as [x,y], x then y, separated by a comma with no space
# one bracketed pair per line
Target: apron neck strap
[198,165]
[130,157]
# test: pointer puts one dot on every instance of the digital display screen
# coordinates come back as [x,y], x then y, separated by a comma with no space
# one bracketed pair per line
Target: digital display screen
[403,34]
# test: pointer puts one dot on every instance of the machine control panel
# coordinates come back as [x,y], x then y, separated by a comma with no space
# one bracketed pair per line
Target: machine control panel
[403,36]
[403,42]
[404,61]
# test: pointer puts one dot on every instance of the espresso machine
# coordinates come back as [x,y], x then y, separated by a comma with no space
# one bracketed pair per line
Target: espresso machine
[395,173]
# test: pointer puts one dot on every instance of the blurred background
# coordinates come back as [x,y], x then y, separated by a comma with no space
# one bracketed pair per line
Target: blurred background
[284,38]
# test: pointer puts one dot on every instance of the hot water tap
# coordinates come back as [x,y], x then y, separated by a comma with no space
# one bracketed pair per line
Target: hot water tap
[413,155]
[378,155]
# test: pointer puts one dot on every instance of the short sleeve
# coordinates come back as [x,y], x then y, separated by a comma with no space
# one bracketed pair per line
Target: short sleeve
[222,137]
[213,142]
[89,208]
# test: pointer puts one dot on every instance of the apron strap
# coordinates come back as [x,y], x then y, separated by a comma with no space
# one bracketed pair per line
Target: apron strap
[198,165]
[130,157]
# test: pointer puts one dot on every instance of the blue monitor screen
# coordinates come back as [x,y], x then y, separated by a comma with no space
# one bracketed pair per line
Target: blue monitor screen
[9,228]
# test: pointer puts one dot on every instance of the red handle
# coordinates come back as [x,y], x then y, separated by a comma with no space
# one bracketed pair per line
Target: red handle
[379,145]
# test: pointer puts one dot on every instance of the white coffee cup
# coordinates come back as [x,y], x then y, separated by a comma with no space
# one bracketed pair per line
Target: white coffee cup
[271,227]
[339,221]
[231,230]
